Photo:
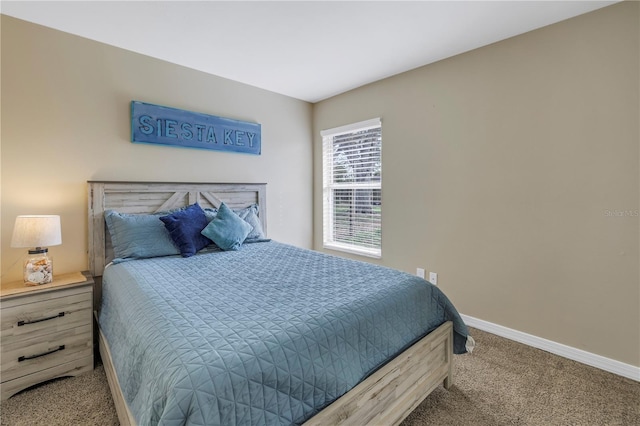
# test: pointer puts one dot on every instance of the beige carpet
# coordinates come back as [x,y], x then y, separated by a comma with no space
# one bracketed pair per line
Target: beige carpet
[501,383]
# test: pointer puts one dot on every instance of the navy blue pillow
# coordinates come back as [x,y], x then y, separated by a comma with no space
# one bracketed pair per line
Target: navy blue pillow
[184,227]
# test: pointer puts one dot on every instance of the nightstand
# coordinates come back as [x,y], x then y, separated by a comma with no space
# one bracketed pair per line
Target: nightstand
[46,331]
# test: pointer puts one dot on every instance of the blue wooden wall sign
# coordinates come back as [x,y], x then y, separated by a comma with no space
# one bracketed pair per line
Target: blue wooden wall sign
[170,126]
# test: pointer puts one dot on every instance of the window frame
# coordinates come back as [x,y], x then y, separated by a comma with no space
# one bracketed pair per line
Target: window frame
[328,188]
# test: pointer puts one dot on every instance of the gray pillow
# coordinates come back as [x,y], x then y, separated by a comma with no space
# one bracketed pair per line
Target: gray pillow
[250,215]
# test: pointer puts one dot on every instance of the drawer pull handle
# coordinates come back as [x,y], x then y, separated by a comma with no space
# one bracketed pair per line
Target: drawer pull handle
[24,358]
[21,323]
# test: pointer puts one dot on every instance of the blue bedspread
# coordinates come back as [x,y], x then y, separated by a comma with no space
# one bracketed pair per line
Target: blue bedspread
[269,334]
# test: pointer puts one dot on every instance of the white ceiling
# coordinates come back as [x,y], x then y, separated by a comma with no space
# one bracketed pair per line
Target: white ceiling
[303,49]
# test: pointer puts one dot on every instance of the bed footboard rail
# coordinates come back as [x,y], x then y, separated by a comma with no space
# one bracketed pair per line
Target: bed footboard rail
[124,415]
[391,393]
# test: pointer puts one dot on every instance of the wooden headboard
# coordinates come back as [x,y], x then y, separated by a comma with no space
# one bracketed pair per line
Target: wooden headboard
[152,197]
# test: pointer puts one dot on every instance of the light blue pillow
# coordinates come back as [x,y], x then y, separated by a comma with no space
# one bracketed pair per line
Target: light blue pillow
[227,230]
[138,236]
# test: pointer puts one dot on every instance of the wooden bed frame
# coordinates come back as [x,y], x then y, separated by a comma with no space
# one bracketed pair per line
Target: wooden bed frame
[386,397]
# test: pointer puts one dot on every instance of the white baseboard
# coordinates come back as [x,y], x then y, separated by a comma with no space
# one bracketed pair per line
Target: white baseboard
[616,367]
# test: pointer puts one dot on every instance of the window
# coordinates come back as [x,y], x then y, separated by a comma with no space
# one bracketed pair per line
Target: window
[352,200]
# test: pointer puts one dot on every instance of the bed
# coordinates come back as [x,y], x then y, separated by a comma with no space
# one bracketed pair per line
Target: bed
[267,334]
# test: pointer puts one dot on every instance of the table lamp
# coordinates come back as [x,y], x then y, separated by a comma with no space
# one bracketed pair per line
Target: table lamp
[36,232]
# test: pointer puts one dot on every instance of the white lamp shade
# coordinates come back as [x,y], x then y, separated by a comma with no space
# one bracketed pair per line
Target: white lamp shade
[37,231]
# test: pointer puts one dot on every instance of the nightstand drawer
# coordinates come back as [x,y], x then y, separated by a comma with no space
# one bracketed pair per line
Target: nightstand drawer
[31,316]
[73,368]
[38,353]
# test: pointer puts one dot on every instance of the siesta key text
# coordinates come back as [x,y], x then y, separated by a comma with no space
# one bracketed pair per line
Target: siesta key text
[170,126]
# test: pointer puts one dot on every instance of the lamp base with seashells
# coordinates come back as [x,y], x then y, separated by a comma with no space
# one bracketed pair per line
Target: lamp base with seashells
[38,267]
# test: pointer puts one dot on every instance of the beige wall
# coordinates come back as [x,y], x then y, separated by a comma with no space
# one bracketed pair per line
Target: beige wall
[66,120]
[499,167]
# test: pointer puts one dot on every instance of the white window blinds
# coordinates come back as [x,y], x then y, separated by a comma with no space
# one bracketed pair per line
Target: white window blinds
[352,199]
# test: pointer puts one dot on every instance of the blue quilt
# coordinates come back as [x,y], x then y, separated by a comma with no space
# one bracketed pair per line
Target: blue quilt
[269,334]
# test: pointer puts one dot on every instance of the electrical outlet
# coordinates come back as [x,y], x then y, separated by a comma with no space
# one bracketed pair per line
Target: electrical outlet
[433,278]
[420,272]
